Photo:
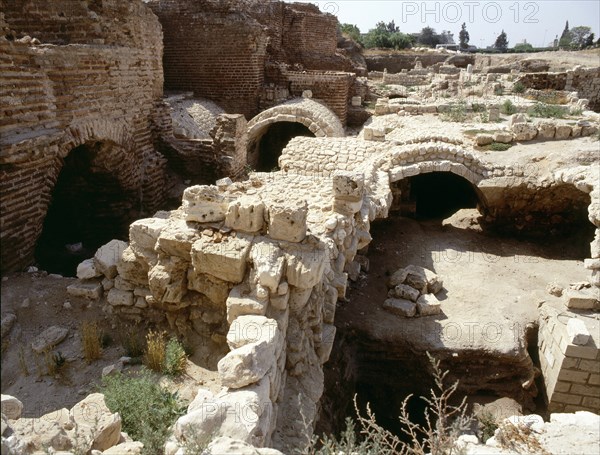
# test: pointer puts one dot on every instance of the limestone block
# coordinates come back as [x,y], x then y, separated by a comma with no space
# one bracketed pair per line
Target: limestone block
[241,301]
[225,260]
[324,349]
[245,214]
[92,417]
[562,132]
[204,204]
[269,263]
[348,185]
[117,297]
[107,257]
[130,268]
[240,414]
[428,305]
[12,407]
[248,329]
[493,114]
[212,287]
[305,267]
[484,139]
[87,270]
[249,364]
[503,137]
[167,280]
[581,300]
[546,130]
[515,119]
[176,239]
[578,332]
[49,338]
[125,448]
[401,307]
[524,131]
[91,289]
[287,220]
[202,396]
[144,233]
[356,101]
[123,285]
[403,291]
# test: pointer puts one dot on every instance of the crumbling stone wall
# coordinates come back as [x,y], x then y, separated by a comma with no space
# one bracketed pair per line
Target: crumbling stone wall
[585,81]
[398,61]
[101,88]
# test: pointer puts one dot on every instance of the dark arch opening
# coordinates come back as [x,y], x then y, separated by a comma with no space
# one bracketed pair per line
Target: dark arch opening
[89,207]
[273,140]
[434,195]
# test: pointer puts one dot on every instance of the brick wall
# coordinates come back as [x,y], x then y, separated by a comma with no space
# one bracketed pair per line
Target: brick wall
[216,53]
[58,97]
[571,371]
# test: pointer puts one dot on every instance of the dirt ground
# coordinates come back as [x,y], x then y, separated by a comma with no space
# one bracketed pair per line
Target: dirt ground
[492,285]
[40,300]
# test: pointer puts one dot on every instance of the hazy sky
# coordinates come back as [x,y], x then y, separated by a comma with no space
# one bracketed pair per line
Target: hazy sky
[537,21]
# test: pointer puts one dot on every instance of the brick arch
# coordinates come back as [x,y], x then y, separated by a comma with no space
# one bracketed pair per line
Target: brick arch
[319,119]
[118,155]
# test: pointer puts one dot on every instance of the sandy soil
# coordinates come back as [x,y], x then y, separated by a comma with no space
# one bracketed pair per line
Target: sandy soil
[39,301]
[492,285]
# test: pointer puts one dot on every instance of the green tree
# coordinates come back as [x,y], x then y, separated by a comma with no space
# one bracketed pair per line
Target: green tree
[565,38]
[579,36]
[351,31]
[387,36]
[590,41]
[464,37]
[523,47]
[429,37]
[501,42]
[446,37]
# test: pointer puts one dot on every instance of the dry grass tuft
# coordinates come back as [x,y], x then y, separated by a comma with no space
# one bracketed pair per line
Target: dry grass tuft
[90,341]
[156,346]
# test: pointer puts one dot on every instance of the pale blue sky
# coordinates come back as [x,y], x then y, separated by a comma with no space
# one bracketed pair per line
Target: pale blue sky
[537,21]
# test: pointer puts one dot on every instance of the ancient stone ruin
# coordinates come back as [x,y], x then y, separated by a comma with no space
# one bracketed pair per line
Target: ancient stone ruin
[310,222]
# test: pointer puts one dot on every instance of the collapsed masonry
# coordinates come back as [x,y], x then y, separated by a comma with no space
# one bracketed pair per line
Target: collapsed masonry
[254,269]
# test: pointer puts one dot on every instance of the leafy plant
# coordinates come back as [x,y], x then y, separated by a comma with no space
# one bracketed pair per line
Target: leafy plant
[457,112]
[487,425]
[147,410]
[499,146]
[508,108]
[544,110]
[175,358]
[519,87]
[498,90]
[90,341]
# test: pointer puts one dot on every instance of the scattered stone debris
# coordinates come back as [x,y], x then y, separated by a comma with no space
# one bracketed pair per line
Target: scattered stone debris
[412,292]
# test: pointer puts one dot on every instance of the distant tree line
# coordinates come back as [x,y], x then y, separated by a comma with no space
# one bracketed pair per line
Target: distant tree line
[388,36]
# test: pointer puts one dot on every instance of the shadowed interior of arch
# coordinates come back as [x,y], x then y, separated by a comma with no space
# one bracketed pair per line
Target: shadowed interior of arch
[436,195]
[274,139]
[88,208]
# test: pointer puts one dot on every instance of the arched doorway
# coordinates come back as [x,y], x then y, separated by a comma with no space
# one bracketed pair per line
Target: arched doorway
[88,208]
[434,195]
[267,147]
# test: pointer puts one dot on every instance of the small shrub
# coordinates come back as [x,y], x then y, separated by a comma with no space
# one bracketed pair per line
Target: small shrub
[508,108]
[90,341]
[175,358]
[457,112]
[147,410]
[544,110]
[519,87]
[498,90]
[499,146]
[487,425]
[478,107]
[156,345]
[54,362]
